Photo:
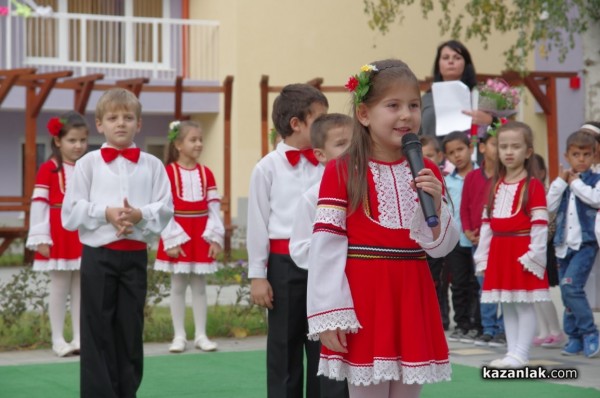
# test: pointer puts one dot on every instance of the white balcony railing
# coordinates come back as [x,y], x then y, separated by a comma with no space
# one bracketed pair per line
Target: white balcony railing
[119,47]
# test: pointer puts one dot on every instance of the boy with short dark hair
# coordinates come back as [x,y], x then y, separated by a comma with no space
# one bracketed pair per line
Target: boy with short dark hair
[120,200]
[457,149]
[330,136]
[278,182]
[575,197]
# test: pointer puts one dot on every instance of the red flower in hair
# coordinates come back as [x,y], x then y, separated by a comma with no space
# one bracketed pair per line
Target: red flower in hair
[352,83]
[54,126]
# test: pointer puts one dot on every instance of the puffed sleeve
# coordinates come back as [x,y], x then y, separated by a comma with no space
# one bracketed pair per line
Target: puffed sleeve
[329,300]
[214,231]
[535,259]
[39,217]
[303,227]
[78,211]
[422,233]
[159,212]
[173,235]
[483,248]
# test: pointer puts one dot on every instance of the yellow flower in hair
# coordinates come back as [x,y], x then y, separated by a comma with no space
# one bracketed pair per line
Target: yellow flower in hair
[368,68]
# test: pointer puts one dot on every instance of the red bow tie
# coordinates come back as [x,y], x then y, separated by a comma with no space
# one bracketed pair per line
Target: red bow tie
[109,154]
[293,156]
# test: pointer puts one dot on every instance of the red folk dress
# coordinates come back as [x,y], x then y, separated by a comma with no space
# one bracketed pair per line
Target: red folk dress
[195,224]
[512,245]
[368,275]
[46,224]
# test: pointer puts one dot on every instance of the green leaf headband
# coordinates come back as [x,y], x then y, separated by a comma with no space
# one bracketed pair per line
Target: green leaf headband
[359,84]
[173,130]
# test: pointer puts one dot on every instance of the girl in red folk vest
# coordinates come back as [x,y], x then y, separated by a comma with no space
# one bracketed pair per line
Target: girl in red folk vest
[58,251]
[192,240]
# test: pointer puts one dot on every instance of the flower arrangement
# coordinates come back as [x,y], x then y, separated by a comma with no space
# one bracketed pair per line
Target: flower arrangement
[173,130]
[54,126]
[359,84]
[498,98]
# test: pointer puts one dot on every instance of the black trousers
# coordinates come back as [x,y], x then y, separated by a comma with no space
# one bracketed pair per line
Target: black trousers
[464,287]
[286,339]
[113,291]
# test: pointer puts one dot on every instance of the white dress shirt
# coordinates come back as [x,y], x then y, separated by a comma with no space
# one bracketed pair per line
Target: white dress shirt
[97,185]
[275,190]
[303,226]
[588,195]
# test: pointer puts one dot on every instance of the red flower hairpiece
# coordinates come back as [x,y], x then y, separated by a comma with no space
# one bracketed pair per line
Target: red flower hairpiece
[55,124]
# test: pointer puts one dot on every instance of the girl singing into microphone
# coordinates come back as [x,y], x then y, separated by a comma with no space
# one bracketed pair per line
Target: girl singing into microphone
[371,298]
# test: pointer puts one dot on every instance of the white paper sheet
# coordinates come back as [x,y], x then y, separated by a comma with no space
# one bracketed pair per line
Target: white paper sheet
[449,100]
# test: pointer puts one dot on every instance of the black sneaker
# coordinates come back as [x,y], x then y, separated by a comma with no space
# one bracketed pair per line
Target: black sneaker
[483,340]
[470,336]
[499,340]
[456,335]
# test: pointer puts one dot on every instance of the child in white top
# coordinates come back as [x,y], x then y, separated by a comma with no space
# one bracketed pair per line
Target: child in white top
[58,251]
[194,237]
[119,201]
[277,184]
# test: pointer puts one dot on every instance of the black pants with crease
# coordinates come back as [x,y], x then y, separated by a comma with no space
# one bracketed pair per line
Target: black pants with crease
[113,292]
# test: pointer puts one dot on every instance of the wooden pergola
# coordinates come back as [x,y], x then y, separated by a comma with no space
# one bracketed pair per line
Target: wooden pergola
[534,81]
[38,88]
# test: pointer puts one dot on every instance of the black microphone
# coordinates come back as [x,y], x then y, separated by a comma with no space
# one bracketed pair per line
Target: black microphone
[413,150]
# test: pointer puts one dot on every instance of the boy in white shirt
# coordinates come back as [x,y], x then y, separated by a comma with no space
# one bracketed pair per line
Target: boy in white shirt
[119,199]
[330,136]
[276,186]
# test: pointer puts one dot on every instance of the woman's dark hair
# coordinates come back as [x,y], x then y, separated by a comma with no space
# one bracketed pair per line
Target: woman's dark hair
[468,76]
[71,120]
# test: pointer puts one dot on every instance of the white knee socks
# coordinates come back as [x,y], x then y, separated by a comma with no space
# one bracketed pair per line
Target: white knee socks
[386,389]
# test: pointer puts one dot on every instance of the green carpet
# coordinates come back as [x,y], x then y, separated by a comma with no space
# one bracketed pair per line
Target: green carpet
[242,374]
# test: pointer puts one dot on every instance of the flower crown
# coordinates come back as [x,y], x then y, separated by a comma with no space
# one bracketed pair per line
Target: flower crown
[359,84]
[173,130]
[492,129]
[55,124]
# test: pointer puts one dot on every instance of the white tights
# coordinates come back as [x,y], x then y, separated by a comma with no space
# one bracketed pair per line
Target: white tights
[547,319]
[385,389]
[519,325]
[61,284]
[179,283]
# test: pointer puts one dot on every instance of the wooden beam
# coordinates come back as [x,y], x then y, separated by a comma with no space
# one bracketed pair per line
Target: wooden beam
[552,128]
[534,87]
[11,76]
[82,89]
[133,85]
[178,98]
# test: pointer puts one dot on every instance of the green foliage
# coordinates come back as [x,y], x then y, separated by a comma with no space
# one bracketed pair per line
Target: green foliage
[11,259]
[26,290]
[551,23]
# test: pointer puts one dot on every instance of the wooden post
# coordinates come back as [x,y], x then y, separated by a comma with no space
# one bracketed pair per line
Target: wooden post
[228,91]
[264,117]
[552,128]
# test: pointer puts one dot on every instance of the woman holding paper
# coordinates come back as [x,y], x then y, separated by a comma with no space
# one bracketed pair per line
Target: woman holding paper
[452,62]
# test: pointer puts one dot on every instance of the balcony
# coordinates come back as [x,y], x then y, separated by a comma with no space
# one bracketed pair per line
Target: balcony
[116,46]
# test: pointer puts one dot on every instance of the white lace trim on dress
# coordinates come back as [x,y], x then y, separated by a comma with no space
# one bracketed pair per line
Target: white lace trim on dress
[515,296]
[191,185]
[343,319]
[384,369]
[391,182]
[186,268]
[176,240]
[532,266]
[55,264]
[503,203]
[33,241]
[331,215]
